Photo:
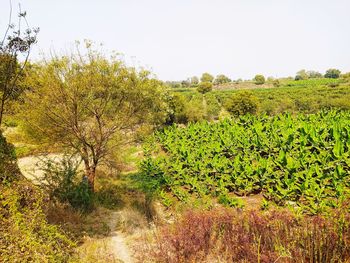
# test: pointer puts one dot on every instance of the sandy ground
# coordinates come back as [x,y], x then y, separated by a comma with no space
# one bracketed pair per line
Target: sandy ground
[29,165]
[118,243]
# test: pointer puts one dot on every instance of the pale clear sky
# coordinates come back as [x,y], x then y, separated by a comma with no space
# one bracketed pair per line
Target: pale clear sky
[177,39]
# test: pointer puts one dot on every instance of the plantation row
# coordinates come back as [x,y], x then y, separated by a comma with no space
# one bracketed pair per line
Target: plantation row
[302,160]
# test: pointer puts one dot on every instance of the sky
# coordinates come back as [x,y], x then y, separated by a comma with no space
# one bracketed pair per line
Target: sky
[177,39]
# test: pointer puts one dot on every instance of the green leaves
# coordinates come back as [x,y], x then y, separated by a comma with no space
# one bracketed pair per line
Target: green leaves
[304,158]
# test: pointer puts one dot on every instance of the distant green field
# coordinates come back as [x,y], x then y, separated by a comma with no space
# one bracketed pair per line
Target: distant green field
[308,96]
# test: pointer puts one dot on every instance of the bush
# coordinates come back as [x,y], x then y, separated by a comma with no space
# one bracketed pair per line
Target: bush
[64,183]
[205,87]
[259,79]
[8,162]
[25,235]
[242,103]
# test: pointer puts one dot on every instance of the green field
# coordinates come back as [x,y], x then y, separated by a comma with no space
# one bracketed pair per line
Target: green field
[302,160]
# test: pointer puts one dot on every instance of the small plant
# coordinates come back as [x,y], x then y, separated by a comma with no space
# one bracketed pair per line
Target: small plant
[63,181]
[230,201]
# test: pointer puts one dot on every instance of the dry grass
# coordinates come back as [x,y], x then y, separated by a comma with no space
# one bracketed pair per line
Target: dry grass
[223,235]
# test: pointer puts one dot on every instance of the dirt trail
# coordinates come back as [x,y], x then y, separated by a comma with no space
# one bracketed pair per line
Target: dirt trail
[118,241]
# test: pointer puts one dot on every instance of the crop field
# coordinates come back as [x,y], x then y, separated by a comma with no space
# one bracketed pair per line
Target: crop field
[303,160]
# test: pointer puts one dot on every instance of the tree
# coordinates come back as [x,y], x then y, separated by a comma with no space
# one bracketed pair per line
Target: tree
[259,79]
[205,87]
[194,81]
[242,103]
[89,104]
[16,42]
[332,73]
[221,79]
[301,75]
[314,74]
[206,77]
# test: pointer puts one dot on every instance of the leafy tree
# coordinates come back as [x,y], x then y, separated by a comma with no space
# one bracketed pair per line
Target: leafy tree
[177,109]
[314,74]
[205,87]
[16,42]
[185,83]
[206,77]
[332,73]
[221,79]
[242,103]
[194,81]
[259,79]
[91,104]
[301,75]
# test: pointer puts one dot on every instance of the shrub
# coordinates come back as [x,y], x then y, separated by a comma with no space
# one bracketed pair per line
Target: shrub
[259,79]
[8,162]
[242,103]
[25,235]
[205,87]
[64,183]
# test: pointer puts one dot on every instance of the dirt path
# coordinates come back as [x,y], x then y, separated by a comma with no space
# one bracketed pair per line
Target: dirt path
[118,241]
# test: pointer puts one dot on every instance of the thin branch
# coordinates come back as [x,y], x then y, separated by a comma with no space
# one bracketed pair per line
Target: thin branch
[9,24]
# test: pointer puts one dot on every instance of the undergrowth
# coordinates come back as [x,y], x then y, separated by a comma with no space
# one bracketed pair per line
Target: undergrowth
[223,235]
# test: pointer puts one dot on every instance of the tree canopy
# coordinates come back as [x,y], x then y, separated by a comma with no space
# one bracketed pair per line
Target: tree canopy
[206,77]
[90,103]
[259,79]
[221,79]
[332,73]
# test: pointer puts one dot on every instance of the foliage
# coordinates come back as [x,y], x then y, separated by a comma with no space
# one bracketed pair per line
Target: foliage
[259,79]
[231,236]
[194,81]
[16,42]
[86,102]
[221,79]
[25,234]
[206,77]
[301,75]
[177,105]
[63,182]
[8,162]
[195,110]
[332,73]
[303,159]
[204,87]
[242,103]
[314,74]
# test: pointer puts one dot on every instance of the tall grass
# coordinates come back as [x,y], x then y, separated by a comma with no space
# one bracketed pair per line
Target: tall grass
[254,236]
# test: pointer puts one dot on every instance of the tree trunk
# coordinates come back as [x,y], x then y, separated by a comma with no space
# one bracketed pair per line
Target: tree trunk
[91,172]
[2,109]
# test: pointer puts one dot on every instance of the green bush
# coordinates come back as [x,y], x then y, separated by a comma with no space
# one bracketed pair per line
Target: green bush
[259,79]
[25,235]
[242,103]
[205,87]
[8,162]
[64,183]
